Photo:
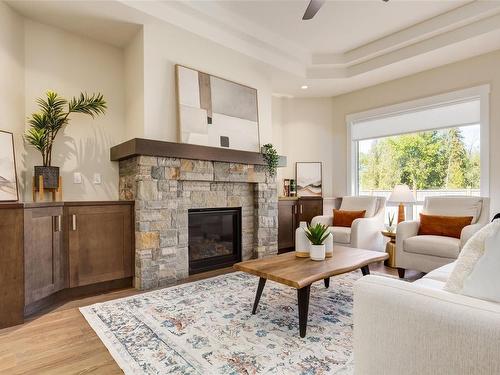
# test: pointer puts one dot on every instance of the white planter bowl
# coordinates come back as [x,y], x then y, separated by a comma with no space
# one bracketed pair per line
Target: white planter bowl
[317,252]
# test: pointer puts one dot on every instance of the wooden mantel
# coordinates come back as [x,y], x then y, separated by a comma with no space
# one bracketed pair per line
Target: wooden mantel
[148,147]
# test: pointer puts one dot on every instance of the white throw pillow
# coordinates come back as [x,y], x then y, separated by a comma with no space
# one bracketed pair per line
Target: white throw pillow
[484,280]
[470,254]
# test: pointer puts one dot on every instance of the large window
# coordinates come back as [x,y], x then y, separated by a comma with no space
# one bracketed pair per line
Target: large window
[435,148]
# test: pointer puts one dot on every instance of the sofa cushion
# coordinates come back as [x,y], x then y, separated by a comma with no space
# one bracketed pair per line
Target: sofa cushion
[470,254]
[453,206]
[441,273]
[341,234]
[368,204]
[448,226]
[343,218]
[444,247]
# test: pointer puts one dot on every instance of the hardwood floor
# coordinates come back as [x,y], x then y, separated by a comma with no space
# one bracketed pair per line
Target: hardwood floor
[61,341]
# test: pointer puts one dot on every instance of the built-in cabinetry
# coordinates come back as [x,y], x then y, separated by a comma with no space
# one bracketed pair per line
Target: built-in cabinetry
[55,251]
[291,211]
[99,243]
[44,260]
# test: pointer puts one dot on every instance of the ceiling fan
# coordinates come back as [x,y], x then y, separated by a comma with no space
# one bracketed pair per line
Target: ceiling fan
[314,6]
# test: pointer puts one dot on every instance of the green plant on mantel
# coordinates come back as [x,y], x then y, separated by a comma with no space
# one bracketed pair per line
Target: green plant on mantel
[54,115]
[271,158]
[317,234]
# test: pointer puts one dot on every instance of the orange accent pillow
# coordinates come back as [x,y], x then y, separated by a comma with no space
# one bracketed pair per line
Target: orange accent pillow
[345,218]
[446,226]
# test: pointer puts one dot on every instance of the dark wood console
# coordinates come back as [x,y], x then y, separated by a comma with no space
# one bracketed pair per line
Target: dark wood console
[291,211]
[60,250]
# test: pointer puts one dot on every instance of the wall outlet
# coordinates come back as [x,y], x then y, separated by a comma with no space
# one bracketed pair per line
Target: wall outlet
[77,178]
[97,178]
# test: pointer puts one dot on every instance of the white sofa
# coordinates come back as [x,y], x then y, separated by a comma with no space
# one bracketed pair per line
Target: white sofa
[364,233]
[426,253]
[420,329]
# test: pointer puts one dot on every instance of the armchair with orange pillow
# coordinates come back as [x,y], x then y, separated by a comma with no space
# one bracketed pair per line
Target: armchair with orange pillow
[357,223]
[446,224]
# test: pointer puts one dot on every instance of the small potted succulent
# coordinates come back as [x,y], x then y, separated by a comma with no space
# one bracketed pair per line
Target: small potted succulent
[317,235]
[46,124]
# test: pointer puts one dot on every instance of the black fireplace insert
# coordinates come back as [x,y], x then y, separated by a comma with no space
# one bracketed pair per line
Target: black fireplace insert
[214,238]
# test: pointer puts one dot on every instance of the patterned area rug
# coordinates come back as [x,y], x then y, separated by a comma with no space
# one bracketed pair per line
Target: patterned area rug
[206,327]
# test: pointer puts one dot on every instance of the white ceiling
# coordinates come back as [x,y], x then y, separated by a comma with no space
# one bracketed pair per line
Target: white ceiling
[348,45]
[339,26]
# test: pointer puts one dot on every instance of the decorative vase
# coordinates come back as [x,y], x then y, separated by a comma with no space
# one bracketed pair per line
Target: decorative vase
[317,252]
[329,246]
[389,228]
[301,242]
[50,177]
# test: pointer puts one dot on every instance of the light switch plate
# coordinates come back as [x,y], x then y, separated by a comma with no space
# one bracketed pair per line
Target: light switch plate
[97,178]
[77,178]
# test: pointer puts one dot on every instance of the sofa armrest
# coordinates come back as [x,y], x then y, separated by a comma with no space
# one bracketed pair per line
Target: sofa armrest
[405,229]
[468,232]
[402,328]
[366,233]
[323,219]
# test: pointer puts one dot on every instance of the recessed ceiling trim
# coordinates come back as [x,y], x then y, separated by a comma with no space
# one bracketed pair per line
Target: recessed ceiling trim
[455,18]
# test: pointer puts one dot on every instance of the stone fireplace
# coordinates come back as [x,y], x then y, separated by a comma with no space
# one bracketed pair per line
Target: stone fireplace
[165,189]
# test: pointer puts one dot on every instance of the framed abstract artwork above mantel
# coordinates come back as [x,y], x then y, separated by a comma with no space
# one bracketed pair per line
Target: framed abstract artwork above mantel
[217,112]
[8,176]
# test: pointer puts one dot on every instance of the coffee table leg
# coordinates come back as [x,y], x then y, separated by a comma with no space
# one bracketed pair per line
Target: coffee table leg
[327,282]
[260,288]
[365,270]
[303,299]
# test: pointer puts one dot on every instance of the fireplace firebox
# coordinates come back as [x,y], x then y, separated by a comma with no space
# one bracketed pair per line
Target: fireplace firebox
[214,238]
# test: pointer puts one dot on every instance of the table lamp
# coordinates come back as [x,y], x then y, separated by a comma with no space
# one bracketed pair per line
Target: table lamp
[401,194]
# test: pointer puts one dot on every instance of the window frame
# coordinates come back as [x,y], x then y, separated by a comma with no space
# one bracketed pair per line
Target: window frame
[481,92]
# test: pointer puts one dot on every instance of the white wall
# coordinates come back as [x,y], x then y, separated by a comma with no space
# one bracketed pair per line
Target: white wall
[299,141]
[12,80]
[134,92]
[165,46]
[302,128]
[67,63]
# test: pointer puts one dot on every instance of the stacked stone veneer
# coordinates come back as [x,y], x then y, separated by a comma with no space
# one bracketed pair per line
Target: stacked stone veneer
[164,189]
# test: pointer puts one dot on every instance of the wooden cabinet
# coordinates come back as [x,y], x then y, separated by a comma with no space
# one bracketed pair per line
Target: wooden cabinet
[287,223]
[290,213]
[100,243]
[308,208]
[11,265]
[45,262]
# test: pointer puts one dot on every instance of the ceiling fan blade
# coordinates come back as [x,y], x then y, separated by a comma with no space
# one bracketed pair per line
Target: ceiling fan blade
[312,9]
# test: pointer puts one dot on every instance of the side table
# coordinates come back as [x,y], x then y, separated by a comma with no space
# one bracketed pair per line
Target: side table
[390,248]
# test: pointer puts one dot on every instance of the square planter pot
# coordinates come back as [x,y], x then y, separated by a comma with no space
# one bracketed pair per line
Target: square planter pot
[50,177]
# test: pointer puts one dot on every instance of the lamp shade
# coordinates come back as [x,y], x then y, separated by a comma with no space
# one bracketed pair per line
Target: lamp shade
[402,194]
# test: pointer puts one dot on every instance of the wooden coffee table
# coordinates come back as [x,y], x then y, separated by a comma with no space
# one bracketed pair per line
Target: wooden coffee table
[300,273]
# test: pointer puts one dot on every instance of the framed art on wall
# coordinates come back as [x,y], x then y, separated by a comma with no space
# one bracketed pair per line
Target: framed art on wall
[8,177]
[214,111]
[309,179]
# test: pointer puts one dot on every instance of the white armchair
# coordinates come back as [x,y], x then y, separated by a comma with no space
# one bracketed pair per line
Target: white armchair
[426,253]
[364,233]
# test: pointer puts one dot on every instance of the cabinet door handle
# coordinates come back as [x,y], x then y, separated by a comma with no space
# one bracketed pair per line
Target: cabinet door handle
[59,223]
[295,209]
[73,222]
[301,211]
[55,224]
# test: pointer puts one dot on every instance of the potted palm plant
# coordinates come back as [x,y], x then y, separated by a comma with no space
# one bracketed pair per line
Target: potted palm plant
[317,235]
[46,124]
